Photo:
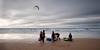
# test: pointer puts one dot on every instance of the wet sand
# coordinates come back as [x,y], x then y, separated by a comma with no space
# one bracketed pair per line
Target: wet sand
[77,44]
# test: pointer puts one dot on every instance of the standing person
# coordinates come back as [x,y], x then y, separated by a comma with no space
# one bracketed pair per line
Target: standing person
[53,36]
[43,36]
[40,38]
[70,37]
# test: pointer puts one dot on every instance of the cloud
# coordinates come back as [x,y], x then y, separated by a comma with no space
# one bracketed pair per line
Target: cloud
[52,13]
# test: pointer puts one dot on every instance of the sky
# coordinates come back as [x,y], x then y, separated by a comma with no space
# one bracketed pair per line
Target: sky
[51,14]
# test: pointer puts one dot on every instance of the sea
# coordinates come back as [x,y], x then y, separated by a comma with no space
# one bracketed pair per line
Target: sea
[33,33]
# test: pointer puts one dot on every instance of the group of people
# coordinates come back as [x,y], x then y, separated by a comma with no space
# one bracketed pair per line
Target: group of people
[54,37]
[42,36]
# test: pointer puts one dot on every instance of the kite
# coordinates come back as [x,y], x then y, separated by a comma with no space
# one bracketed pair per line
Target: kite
[36,7]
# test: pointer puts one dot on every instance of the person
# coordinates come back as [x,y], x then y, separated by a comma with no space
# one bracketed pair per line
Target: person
[42,36]
[57,36]
[53,36]
[70,37]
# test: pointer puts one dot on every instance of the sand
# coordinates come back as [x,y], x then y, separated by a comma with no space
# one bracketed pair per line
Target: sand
[77,44]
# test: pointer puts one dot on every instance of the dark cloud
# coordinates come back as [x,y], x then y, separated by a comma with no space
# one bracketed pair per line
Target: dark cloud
[91,22]
[84,22]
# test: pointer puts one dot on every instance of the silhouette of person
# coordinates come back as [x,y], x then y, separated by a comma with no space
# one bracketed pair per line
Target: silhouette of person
[43,36]
[70,37]
[40,36]
[53,36]
[58,36]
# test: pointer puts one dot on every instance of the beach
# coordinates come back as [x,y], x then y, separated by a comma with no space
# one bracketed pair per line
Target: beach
[76,44]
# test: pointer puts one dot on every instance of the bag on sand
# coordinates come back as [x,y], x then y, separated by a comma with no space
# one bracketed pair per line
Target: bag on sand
[49,39]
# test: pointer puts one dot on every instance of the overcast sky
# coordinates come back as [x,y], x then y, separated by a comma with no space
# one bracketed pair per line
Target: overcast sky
[51,13]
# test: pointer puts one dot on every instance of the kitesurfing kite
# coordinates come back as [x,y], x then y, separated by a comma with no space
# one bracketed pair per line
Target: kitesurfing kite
[36,7]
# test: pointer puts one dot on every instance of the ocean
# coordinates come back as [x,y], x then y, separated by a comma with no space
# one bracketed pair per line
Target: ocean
[33,33]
